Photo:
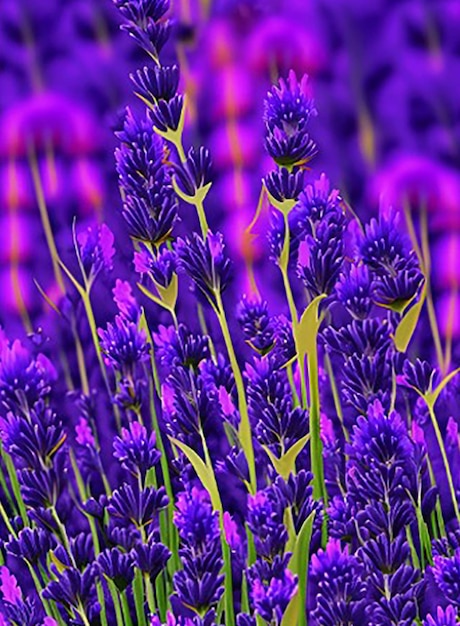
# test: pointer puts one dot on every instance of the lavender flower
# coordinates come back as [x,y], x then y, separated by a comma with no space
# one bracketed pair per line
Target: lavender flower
[136,450]
[337,577]
[117,567]
[96,251]
[139,507]
[288,109]
[157,83]
[206,264]
[446,572]
[150,206]
[442,618]
[124,345]
[198,585]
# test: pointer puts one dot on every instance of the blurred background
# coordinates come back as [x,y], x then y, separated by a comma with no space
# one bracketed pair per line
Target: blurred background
[384,75]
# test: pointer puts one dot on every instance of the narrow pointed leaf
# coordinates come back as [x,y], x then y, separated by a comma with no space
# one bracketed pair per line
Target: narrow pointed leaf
[408,324]
[204,473]
[286,464]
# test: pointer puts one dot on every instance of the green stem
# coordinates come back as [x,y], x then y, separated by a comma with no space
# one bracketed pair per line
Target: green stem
[245,432]
[227,556]
[284,262]
[116,603]
[316,446]
[15,486]
[138,592]
[149,592]
[335,394]
[125,608]
[201,217]
[445,460]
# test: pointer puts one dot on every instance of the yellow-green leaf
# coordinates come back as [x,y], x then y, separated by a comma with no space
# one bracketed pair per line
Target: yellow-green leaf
[431,398]
[203,471]
[298,565]
[285,206]
[291,614]
[286,464]
[408,324]
[60,566]
[306,330]
[152,296]
[168,294]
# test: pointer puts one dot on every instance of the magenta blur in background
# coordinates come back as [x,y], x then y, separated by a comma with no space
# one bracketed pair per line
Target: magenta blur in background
[383,75]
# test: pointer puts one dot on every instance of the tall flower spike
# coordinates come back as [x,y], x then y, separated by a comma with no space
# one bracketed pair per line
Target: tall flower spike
[124,345]
[199,583]
[95,251]
[150,205]
[157,83]
[337,578]
[288,109]
[145,23]
[136,450]
[134,506]
[205,263]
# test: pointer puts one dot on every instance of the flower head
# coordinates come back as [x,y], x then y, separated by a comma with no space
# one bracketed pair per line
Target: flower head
[136,506]
[205,263]
[446,572]
[157,83]
[150,205]
[447,617]
[136,450]
[116,566]
[150,558]
[124,345]
[96,250]
[257,325]
[337,577]
[195,173]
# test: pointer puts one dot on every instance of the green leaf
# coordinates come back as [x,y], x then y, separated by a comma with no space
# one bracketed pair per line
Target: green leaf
[60,566]
[291,614]
[431,397]
[168,294]
[306,331]
[299,567]
[204,473]
[286,464]
[152,296]
[408,324]
[285,206]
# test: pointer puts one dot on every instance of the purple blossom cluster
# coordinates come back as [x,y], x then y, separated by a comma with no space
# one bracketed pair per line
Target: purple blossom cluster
[202,456]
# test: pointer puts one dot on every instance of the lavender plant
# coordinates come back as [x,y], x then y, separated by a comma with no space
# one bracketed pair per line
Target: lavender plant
[220,464]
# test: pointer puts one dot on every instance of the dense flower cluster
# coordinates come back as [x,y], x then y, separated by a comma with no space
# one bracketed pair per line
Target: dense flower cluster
[216,463]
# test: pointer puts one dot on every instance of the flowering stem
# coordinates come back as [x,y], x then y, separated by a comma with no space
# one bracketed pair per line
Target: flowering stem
[15,486]
[445,460]
[284,260]
[245,426]
[198,203]
[116,603]
[38,186]
[149,592]
[316,446]
[125,609]
[138,593]
[335,395]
